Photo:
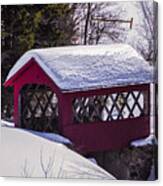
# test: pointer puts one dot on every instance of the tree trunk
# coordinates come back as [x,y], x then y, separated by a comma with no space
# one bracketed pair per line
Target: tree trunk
[86,23]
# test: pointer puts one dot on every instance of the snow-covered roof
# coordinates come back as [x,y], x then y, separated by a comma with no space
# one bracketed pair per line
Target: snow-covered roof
[86,67]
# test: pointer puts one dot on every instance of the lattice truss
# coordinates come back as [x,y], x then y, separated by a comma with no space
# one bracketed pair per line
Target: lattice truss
[110,107]
[39,108]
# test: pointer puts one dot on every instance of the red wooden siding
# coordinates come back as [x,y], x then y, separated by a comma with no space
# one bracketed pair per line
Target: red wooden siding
[100,136]
[87,137]
[31,73]
[107,136]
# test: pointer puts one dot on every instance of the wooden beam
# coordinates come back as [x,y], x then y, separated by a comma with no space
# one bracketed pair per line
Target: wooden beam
[114,20]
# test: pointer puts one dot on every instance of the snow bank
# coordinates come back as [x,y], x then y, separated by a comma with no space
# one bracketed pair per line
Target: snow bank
[23,154]
[84,67]
[150,140]
[7,123]
[93,160]
[52,137]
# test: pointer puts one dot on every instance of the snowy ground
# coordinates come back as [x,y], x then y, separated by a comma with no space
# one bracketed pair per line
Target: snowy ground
[150,140]
[28,155]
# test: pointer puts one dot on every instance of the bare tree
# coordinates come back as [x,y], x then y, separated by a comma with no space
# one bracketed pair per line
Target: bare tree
[93,30]
[87,22]
[46,167]
[26,171]
[149,11]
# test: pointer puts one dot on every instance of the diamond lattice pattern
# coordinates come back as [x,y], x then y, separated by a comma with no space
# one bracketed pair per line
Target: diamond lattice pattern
[110,107]
[39,108]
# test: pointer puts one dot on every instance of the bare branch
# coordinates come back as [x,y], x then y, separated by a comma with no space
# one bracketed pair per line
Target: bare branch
[26,171]
[46,166]
[86,23]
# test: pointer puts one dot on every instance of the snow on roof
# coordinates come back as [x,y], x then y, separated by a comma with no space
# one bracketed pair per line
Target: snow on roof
[85,67]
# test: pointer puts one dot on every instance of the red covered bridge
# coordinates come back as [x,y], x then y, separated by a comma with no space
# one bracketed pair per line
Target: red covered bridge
[97,96]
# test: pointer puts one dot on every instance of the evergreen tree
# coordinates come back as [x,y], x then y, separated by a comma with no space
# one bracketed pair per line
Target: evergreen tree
[33,26]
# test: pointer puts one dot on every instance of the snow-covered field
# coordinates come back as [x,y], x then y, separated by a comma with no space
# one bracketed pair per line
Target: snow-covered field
[25,154]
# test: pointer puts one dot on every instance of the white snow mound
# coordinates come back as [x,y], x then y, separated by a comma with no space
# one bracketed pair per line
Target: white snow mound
[26,155]
[150,140]
[52,137]
[7,123]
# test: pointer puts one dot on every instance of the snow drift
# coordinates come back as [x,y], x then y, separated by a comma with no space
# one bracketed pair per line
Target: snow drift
[23,154]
